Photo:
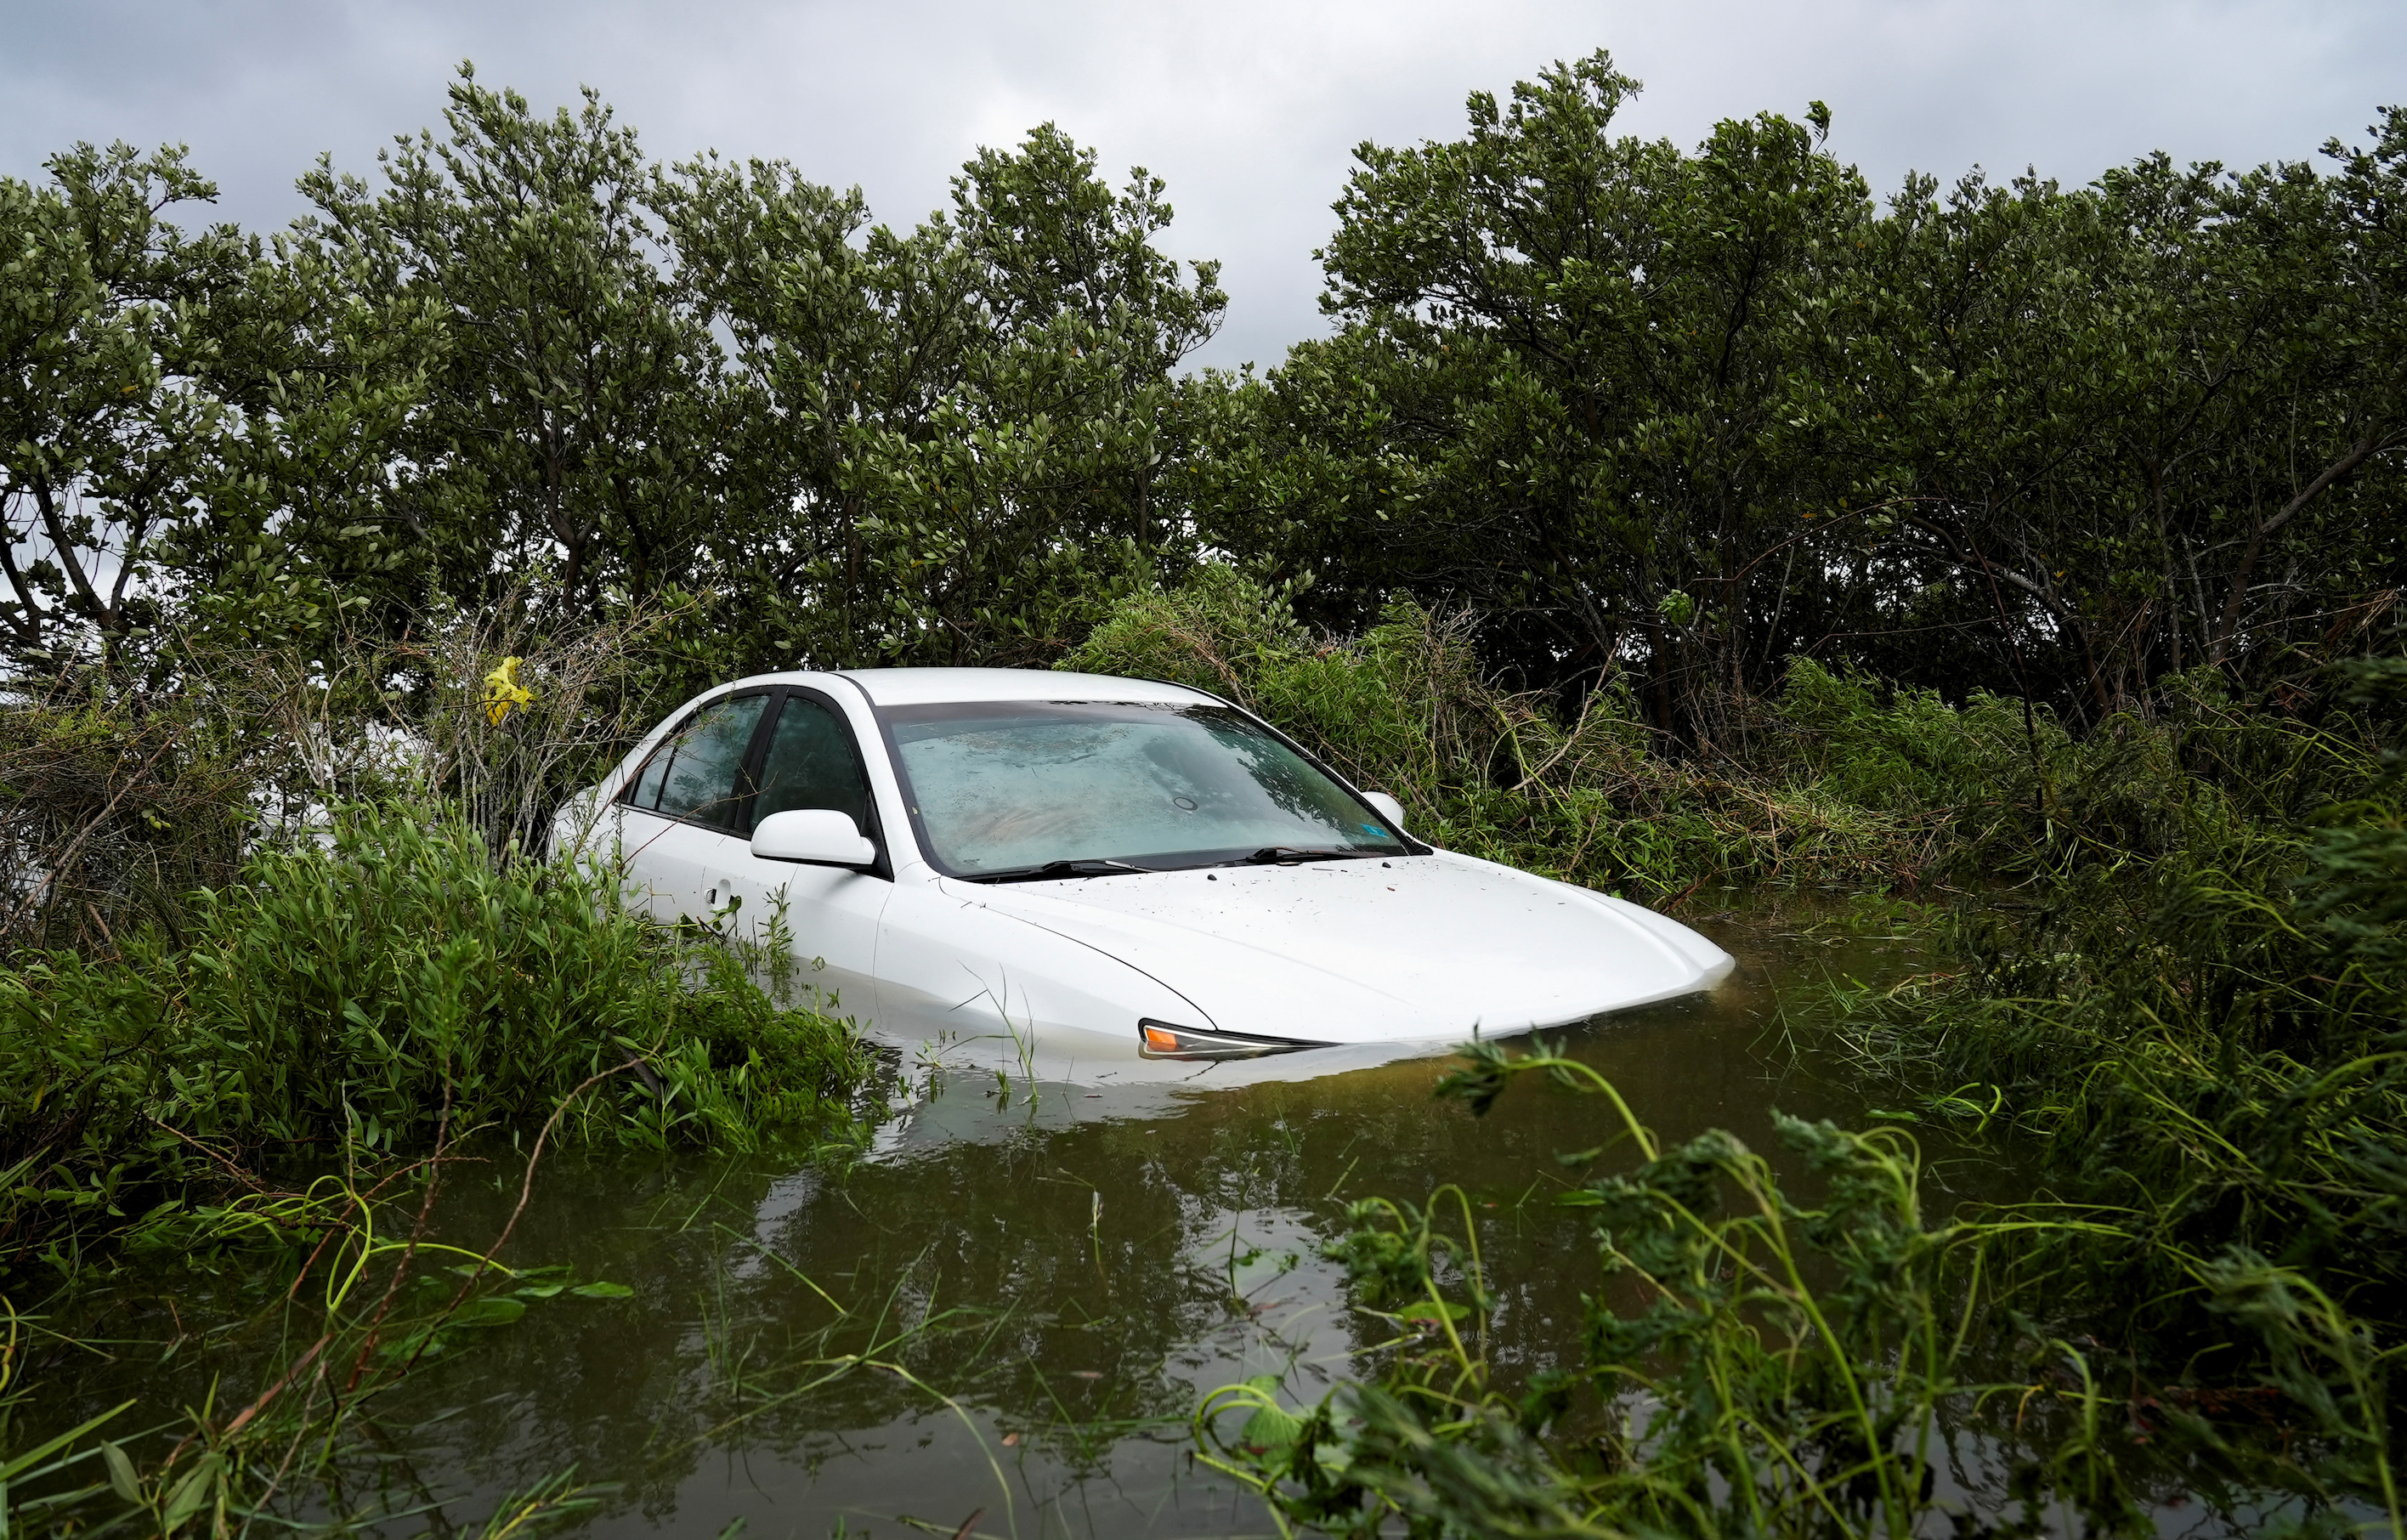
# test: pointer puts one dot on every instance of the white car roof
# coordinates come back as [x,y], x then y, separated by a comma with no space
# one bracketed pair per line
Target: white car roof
[936,685]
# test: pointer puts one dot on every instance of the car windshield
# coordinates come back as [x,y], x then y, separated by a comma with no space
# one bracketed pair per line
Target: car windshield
[1006,788]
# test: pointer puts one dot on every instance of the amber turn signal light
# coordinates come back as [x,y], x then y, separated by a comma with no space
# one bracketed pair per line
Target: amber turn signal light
[1160,1040]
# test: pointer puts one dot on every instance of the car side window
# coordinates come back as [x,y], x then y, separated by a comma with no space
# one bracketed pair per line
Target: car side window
[812,762]
[698,773]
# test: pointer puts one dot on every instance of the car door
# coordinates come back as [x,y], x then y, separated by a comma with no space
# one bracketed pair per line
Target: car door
[681,808]
[809,759]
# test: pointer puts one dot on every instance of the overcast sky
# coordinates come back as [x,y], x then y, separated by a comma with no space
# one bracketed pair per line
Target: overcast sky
[1248,108]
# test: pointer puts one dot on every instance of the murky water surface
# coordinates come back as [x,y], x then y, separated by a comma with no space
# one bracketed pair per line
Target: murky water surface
[1014,1307]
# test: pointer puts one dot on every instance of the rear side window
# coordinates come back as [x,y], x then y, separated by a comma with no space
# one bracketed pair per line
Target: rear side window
[812,763]
[698,773]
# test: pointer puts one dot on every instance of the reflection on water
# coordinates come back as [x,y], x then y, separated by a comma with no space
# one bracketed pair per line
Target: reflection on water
[1012,1307]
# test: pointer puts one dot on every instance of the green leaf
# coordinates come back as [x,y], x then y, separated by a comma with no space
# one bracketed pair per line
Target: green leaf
[1433,1311]
[493,1310]
[603,1290]
[1271,1428]
[190,1494]
[121,1479]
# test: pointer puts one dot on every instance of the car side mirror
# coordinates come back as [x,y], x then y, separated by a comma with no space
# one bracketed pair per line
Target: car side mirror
[1388,807]
[819,836]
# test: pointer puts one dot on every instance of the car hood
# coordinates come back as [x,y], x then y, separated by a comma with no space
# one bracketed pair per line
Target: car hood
[1423,948]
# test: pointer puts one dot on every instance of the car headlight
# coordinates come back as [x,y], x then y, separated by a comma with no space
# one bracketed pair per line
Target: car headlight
[1164,1040]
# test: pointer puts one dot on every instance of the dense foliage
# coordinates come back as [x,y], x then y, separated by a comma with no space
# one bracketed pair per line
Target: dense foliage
[530,350]
[1697,414]
[1649,517]
[1677,415]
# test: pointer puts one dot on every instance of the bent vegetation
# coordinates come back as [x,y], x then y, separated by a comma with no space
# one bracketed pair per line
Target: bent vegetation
[2019,562]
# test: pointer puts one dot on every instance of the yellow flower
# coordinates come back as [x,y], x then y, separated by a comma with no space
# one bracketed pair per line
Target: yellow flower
[503,691]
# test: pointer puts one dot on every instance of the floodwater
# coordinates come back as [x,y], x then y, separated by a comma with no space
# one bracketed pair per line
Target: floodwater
[1002,1320]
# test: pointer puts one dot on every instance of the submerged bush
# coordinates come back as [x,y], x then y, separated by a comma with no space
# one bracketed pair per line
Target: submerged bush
[371,996]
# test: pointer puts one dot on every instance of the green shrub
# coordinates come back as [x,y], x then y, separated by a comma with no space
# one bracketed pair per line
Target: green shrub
[362,998]
[2201,1017]
[1408,707]
[1907,750]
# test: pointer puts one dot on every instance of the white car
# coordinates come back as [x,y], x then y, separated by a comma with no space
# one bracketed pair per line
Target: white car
[1102,874]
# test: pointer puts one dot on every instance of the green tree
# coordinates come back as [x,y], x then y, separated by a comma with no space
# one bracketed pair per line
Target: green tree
[2081,419]
[571,418]
[105,398]
[1572,388]
[959,438]
[1690,414]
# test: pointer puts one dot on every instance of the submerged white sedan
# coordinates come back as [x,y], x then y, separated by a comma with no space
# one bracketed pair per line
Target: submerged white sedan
[1115,877]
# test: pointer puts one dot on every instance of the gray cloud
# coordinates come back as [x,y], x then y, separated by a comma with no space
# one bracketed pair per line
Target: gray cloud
[1251,108]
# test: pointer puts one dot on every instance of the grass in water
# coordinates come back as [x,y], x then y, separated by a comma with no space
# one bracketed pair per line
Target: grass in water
[1755,1364]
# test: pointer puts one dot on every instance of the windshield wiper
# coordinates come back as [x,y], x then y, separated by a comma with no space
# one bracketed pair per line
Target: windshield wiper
[1091,866]
[1280,855]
